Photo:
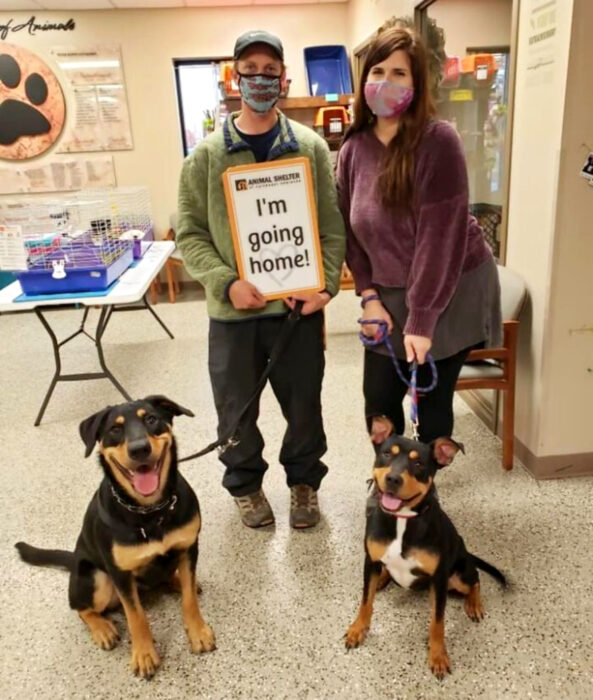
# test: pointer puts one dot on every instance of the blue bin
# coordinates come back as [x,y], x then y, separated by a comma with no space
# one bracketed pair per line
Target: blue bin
[328,70]
[89,278]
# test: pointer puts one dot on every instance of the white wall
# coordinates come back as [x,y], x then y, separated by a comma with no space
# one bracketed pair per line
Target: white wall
[568,343]
[366,16]
[150,40]
[537,138]
[473,23]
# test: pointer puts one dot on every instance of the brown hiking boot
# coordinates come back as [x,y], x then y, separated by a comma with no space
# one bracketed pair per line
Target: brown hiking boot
[304,507]
[254,509]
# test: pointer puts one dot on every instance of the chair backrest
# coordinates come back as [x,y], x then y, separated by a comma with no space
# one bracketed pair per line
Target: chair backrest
[512,293]
[489,217]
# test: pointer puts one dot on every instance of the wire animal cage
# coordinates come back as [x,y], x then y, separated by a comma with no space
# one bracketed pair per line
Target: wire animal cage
[79,243]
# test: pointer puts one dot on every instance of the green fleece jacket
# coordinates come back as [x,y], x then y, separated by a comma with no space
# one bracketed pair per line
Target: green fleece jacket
[203,231]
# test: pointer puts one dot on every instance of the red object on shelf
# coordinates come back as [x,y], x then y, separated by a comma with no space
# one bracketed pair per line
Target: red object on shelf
[452,71]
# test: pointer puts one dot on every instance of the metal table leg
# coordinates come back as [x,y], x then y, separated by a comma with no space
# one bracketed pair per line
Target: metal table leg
[106,312]
[144,304]
[58,376]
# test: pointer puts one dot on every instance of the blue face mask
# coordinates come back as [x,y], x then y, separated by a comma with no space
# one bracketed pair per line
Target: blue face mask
[259,91]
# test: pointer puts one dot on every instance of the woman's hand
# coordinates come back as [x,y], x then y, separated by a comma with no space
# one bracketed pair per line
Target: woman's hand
[244,295]
[417,346]
[374,309]
[311,302]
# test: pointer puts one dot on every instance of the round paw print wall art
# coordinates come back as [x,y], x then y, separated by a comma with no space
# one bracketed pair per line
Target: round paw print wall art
[32,106]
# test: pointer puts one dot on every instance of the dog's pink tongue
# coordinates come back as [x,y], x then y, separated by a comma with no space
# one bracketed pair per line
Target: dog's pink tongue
[147,482]
[390,502]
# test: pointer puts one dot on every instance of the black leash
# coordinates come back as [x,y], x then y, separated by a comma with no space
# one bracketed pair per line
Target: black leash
[231,439]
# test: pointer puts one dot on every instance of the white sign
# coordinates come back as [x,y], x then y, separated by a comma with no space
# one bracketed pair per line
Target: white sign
[273,220]
[60,174]
[13,255]
[101,121]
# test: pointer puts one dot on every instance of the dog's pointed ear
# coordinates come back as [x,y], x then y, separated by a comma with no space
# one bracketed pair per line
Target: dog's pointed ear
[90,429]
[167,408]
[444,450]
[380,429]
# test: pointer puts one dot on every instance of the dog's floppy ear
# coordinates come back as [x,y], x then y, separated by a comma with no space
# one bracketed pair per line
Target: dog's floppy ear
[90,429]
[167,408]
[444,449]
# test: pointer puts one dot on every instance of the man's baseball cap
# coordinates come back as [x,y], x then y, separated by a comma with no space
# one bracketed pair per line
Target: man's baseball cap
[258,36]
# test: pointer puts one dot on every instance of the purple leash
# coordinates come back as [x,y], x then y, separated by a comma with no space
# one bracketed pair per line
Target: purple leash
[383,337]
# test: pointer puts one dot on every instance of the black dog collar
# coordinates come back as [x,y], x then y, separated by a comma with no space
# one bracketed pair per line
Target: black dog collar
[145,510]
[148,529]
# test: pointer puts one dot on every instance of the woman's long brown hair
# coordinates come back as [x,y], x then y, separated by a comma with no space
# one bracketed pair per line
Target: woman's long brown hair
[396,178]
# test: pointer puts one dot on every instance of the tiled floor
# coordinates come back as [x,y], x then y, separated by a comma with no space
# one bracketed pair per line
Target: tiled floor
[278,600]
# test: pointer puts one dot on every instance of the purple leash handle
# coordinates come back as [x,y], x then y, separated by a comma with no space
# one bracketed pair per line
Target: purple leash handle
[412,384]
[414,398]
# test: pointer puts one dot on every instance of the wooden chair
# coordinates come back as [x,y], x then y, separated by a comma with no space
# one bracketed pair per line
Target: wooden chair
[495,368]
[346,279]
[175,261]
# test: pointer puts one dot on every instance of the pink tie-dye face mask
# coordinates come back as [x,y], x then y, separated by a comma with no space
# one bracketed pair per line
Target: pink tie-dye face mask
[386,99]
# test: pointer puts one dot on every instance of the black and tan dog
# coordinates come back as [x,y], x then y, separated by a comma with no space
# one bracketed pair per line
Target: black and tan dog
[140,529]
[410,539]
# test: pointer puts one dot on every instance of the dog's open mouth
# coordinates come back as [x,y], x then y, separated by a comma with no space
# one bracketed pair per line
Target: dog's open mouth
[391,504]
[145,478]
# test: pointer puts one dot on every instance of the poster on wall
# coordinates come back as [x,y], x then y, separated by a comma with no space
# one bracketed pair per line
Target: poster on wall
[32,106]
[58,175]
[541,50]
[95,79]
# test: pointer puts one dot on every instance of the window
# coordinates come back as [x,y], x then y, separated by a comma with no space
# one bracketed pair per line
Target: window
[199,97]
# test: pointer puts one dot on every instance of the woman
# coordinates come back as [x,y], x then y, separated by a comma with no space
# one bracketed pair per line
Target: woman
[419,260]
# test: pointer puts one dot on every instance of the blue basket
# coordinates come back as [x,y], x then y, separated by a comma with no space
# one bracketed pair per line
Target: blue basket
[328,70]
[88,278]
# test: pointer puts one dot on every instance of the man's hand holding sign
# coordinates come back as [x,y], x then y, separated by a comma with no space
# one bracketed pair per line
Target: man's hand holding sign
[273,219]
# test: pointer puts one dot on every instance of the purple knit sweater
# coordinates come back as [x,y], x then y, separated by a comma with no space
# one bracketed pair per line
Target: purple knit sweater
[425,251]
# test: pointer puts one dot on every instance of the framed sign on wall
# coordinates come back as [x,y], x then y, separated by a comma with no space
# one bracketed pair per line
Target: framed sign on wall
[100,119]
[273,220]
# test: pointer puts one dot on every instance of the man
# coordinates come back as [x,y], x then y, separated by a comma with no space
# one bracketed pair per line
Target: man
[243,326]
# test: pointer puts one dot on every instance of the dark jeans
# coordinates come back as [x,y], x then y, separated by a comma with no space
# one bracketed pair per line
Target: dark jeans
[238,354]
[384,392]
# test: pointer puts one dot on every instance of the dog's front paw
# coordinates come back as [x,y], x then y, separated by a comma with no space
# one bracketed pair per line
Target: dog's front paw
[439,663]
[145,660]
[104,633]
[202,639]
[357,633]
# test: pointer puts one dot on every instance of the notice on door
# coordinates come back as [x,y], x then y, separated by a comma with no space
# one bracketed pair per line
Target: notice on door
[273,218]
